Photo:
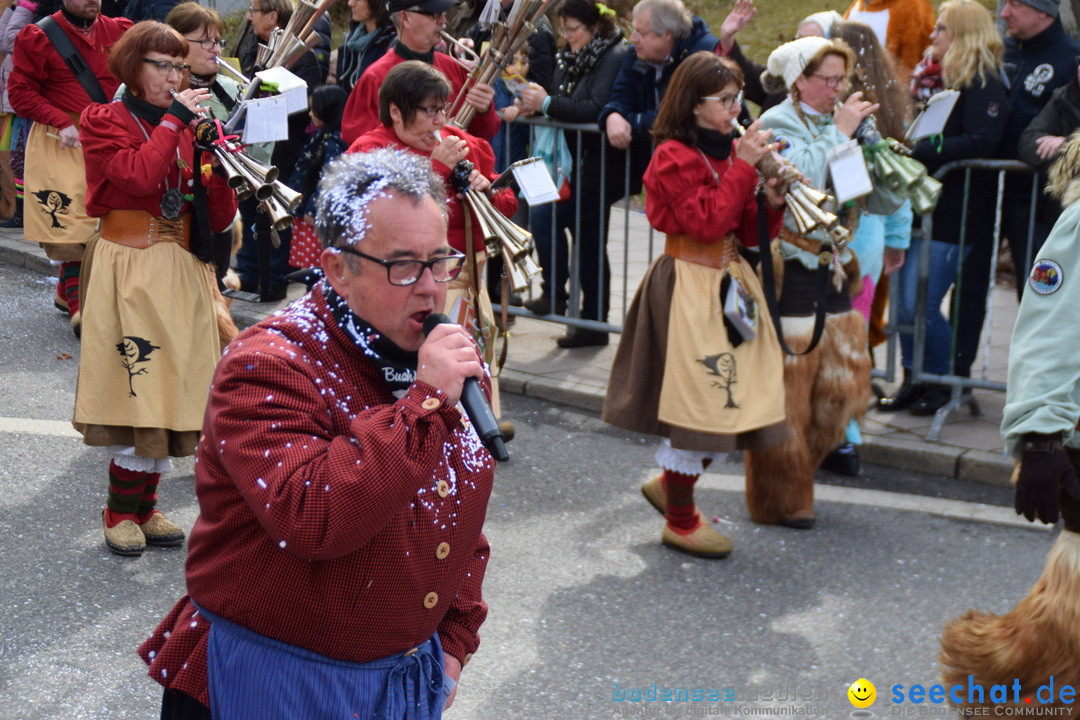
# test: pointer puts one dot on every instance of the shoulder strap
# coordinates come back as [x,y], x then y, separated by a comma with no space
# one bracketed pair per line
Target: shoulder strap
[72,59]
[223,95]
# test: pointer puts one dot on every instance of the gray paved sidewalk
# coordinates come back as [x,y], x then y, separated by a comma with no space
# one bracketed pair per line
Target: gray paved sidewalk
[968,448]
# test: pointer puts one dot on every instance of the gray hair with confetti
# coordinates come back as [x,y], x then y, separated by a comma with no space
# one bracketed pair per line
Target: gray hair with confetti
[352,182]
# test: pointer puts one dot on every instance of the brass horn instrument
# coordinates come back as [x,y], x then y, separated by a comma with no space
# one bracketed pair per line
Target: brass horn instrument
[451,41]
[805,203]
[286,45]
[244,174]
[506,39]
[502,237]
[891,164]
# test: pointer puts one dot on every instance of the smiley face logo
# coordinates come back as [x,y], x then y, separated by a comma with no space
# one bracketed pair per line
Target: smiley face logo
[862,693]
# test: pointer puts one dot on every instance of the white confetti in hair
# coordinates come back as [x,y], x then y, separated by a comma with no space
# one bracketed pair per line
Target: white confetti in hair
[354,181]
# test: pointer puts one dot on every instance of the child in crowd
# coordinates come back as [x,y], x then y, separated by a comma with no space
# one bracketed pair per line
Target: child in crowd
[324,146]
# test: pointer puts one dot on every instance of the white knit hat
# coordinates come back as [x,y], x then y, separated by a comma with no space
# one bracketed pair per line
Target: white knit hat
[790,59]
[824,20]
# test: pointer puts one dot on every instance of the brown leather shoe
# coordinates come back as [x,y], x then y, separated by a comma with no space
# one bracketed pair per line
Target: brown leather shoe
[124,538]
[161,531]
[702,541]
[653,490]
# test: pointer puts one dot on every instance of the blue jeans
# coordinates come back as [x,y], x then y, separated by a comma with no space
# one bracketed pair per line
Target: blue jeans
[945,259]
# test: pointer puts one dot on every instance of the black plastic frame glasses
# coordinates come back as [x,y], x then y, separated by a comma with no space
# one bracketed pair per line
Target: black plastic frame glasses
[165,66]
[409,272]
[208,44]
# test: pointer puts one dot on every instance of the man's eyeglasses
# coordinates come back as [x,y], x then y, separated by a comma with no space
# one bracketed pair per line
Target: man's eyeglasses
[433,110]
[727,101]
[640,34]
[408,272]
[164,66]
[208,44]
[833,81]
[254,10]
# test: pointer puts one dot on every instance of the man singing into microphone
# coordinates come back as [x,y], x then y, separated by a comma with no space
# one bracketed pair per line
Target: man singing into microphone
[336,565]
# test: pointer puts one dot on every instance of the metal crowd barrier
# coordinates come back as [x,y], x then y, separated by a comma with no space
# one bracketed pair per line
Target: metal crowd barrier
[631,247]
[960,386]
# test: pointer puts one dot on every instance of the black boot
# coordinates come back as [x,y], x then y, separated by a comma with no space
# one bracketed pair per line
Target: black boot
[844,460]
[15,221]
[577,337]
[932,400]
[908,394]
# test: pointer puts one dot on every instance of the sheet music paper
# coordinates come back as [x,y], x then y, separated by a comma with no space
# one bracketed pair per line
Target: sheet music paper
[535,182]
[267,120]
[847,168]
[933,118]
[292,88]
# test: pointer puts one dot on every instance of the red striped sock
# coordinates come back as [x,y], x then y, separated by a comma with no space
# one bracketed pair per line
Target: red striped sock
[681,512]
[69,280]
[125,492]
[148,501]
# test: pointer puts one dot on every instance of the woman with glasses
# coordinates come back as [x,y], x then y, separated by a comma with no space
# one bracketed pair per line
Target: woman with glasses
[412,110]
[585,70]
[971,55]
[829,385]
[150,337]
[690,368]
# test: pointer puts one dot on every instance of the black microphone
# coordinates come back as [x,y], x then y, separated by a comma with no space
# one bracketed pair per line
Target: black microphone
[475,404]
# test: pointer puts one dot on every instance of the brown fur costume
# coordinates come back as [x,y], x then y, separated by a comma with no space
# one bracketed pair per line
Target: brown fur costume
[908,33]
[1040,637]
[824,389]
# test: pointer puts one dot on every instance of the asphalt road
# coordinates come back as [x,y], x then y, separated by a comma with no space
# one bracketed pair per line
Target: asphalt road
[585,602]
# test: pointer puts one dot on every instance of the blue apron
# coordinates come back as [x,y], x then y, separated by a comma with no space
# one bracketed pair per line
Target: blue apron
[254,676]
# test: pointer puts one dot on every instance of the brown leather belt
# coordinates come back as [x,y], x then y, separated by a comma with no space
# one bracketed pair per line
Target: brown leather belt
[716,255]
[803,243]
[139,229]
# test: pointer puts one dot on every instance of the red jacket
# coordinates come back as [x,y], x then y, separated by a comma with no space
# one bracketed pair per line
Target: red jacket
[480,155]
[124,171]
[682,197]
[42,88]
[331,516]
[362,109]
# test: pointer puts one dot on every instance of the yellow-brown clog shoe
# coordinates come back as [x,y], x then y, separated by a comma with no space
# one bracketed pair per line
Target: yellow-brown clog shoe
[162,532]
[702,541]
[124,538]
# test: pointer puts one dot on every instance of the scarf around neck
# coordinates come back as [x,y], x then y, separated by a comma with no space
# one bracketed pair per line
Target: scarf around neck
[714,143]
[397,366]
[578,64]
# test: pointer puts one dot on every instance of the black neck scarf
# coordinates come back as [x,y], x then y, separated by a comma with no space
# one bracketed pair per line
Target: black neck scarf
[714,144]
[398,367]
[409,54]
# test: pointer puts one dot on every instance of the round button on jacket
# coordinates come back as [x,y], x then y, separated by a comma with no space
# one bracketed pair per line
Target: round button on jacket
[442,550]
[431,403]
[431,600]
